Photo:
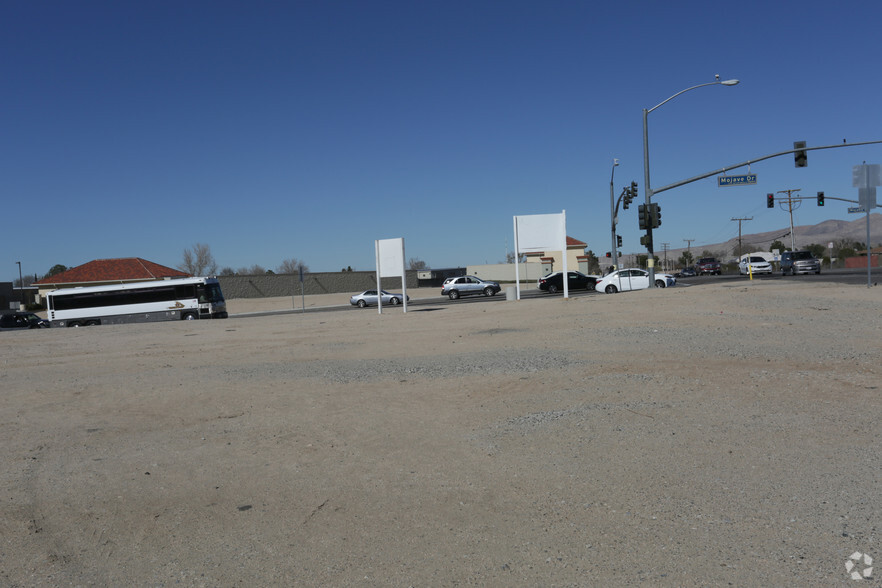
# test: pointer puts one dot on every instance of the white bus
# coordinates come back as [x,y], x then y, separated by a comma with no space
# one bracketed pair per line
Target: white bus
[137,302]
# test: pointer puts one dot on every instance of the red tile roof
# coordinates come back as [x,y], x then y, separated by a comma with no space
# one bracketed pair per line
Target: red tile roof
[125,269]
[571,242]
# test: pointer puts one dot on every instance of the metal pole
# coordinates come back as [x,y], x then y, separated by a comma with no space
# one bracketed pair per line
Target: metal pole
[21,282]
[647,193]
[647,190]
[869,258]
[612,215]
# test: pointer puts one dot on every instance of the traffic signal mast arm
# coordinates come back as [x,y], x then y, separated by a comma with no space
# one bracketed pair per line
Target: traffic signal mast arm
[752,161]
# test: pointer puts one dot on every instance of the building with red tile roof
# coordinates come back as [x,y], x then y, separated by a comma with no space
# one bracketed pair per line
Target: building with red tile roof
[553,260]
[109,271]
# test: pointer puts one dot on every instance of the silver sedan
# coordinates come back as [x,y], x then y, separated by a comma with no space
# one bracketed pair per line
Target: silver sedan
[369,298]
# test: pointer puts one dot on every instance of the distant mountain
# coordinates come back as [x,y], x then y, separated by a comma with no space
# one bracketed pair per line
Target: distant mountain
[821,233]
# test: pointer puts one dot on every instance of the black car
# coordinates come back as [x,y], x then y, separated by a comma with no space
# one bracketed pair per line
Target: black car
[686,272]
[22,320]
[553,283]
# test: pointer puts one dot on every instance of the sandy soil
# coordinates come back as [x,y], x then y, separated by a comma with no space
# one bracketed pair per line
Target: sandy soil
[722,434]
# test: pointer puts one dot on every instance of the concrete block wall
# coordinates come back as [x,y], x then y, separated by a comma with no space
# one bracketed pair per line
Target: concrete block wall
[505,272]
[272,285]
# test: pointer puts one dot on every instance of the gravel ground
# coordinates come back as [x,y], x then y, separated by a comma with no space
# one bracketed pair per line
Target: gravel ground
[722,434]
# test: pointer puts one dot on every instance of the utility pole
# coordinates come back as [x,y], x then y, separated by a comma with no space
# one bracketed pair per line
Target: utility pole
[665,262]
[790,201]
[739,234]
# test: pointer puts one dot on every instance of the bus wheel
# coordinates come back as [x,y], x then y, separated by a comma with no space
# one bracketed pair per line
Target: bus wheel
[189,317]
[73,324]
[91,324]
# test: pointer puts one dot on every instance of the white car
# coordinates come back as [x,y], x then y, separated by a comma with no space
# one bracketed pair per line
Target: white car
[624,280]
[754,264]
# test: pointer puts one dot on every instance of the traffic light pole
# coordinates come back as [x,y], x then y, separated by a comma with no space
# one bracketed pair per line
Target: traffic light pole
[647,196]
[613,210]
[649,192]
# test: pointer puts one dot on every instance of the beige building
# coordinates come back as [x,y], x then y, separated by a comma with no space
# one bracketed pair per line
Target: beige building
[552,261]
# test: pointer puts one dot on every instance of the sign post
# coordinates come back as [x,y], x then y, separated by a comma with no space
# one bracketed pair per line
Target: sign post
[865,178]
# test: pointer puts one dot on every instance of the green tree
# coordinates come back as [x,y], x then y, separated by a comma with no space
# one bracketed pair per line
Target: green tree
[55,270]
[776,244]
[816,250]
[685,259]
[846,248]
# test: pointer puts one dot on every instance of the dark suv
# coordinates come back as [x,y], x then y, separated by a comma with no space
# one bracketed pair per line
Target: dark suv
[708,265]
[799,262]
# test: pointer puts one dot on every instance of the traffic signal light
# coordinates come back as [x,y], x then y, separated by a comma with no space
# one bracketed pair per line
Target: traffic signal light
[642,216]
[608,254]
[799,157]
[770,201]
[654,215]
[633,190]
[820,199]
[618,240]
[626,198]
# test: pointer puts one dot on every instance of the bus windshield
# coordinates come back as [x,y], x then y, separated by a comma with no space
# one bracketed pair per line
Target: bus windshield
[210,292]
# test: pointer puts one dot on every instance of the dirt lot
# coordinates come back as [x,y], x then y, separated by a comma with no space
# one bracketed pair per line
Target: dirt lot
[722,434]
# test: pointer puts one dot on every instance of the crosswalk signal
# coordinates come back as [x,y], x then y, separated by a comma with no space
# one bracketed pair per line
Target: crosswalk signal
[820,199]
[770,201]
[800,158]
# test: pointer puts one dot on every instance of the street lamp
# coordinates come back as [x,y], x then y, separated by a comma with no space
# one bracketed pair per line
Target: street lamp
[20,285]
[612,215]
[647,190]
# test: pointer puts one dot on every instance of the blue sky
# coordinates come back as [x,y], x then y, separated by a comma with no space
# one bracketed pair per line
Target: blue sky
[271,130]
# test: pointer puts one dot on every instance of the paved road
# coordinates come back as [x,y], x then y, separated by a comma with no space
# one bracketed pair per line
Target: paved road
[840,276]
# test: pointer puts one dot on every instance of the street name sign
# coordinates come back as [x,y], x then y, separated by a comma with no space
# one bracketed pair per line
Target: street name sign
[857,209]
[736,180]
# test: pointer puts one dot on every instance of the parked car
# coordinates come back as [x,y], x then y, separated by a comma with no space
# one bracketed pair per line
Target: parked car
[369,298]
[799,262]
[453,288]
[686,272]
[553,282]
[708,265]
[754,264]
[624,280]
[22,320]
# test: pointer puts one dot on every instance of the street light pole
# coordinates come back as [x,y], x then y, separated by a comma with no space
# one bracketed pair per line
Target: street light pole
[20,285]
[612,215]
[647,190]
